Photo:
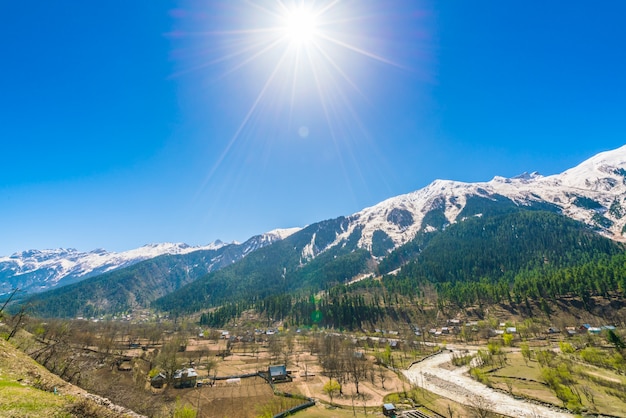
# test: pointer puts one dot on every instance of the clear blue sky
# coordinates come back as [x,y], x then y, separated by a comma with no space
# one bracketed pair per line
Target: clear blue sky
[130,122]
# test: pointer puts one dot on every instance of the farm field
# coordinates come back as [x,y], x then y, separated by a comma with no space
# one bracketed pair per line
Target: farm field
[346,374]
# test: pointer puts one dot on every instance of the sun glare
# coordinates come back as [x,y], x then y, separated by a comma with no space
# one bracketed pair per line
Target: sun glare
[299,62]
[300,26]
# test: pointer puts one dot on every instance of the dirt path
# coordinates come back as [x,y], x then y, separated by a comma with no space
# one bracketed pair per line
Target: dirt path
[457,385]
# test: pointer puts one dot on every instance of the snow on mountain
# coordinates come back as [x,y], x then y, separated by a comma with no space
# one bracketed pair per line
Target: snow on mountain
[593,192]
[281,234]
[267,238]
[36,270]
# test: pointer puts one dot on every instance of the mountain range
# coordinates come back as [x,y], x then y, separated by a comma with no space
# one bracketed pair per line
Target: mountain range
[35,271]
[373,241]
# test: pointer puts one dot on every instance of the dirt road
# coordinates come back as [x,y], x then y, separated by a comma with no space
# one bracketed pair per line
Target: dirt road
[457,385]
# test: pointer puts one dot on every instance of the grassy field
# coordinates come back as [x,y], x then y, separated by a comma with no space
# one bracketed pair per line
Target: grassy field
[585,373]
[27,390]
[593,389]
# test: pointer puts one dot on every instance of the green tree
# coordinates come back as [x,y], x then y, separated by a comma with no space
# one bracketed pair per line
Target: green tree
[184,410]
[526,353]
[615,340]
[331,388]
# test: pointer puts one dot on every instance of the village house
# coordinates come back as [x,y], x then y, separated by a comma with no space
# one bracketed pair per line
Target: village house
[278,373]
[158,381]
[389,410]
[185,378]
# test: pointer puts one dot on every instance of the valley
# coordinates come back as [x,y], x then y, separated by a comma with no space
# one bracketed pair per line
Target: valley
[449,366]
[461,300]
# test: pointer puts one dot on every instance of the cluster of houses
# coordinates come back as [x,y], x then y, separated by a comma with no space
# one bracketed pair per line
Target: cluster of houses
[248,336]
[182,378]
[188,377]
[137,316]
[454,326]
[582,329]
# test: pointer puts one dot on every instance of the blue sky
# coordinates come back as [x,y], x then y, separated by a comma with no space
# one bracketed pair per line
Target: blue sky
[131,122]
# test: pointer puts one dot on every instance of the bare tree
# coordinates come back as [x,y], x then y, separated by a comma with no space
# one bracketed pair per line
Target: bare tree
[382,375]
[356,367]
[480,407]
[6,302]
[450,411]
[17,321]
[276,345]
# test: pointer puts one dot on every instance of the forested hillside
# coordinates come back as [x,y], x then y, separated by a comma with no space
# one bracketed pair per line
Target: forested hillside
[123,289]
[507,258]
[277,269]
[498,253]
[499,247]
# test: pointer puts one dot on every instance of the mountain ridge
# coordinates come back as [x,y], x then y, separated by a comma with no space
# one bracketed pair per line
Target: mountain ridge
[34,271]
[334,251]
[601,178]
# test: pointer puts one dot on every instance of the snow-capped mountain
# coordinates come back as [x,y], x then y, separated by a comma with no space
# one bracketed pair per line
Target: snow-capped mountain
[268,238]
[330,251]
[38,270]
[593,192]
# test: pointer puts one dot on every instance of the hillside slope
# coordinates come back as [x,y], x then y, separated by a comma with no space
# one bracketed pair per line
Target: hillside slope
[141,283]
[28,390]
[379,239]
[36,271]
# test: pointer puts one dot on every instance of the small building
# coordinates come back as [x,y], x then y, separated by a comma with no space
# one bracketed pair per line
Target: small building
[158,381]
[389,410]
[185,378]
[278,373]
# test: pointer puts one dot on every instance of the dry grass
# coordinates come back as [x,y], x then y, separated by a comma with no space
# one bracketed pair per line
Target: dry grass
[525,380]
[27,390]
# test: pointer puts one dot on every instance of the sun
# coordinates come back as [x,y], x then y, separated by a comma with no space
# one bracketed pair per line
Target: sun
[300,26]
[300,69]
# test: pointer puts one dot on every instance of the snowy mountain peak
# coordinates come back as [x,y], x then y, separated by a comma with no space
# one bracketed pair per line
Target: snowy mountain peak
[37,270]
[602,171]
[593,192]
[282,233]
